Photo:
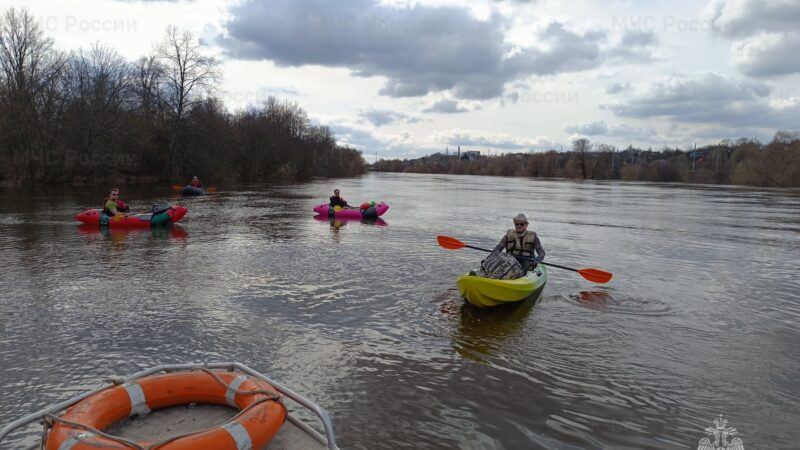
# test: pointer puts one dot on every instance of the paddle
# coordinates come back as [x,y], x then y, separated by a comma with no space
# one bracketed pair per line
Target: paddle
[593,275]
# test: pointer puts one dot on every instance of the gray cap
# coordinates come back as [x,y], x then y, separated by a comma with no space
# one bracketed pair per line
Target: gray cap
[520,218]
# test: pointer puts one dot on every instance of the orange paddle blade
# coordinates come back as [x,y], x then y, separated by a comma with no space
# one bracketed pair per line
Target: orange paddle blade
[595,275]
[211,189]
[449,242]
[176,187]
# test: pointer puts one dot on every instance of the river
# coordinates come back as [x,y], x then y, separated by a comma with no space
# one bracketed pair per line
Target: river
[702,316]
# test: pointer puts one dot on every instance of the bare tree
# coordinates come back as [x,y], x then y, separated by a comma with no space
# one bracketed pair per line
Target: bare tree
[582,147]
[187,78]
[30,70]
[97,85]
[786,136]
[146,74]
[603,168]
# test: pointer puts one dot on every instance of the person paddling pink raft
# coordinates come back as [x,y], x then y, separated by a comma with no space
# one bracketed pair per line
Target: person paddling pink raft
[339,208]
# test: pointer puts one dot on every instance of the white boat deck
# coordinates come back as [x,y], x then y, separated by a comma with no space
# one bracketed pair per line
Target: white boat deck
[167,423]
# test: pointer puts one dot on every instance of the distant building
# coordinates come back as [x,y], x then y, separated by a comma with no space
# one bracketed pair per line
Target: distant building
[470,154]
[697,154]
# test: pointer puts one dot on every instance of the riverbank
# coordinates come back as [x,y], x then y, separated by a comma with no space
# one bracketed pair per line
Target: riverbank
[743,162]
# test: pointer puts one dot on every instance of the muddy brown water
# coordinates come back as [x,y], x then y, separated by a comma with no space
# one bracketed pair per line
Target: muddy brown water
[701,317]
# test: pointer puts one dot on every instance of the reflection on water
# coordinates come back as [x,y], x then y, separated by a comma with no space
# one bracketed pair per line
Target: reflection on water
[340,222]
[597,299]
[596,296]
[606,300]
[701,317]
[481,331]
[118,234]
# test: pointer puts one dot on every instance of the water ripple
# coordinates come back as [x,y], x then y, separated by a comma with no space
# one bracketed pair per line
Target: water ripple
[702,314]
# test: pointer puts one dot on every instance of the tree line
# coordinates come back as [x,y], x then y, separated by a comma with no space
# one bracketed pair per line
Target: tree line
[744,162]
[90,115]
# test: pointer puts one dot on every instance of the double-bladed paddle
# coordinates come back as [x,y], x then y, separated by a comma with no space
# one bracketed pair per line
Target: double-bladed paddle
[593,275]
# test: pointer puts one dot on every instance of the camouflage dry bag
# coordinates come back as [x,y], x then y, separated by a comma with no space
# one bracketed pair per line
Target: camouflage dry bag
[501,266]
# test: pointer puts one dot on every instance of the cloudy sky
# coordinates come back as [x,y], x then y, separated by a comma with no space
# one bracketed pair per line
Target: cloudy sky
[398,78]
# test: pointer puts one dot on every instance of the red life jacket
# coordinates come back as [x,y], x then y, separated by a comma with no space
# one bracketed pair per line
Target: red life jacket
[197,184]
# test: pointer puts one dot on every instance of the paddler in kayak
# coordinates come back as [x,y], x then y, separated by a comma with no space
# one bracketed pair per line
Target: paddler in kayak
[521,243]
[196,182]
[113,206]
[337,200]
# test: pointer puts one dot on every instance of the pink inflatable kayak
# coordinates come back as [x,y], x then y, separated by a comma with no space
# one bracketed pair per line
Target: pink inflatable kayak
[353,213]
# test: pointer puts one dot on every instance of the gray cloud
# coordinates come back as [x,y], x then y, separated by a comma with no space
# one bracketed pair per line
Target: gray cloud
[370,142]
[601,128]
[718,133]
[616,88]
[742,18]
[627,131]
[768,55]
[289,90]
[588,128]
[766,33]
[356,137]
[484,140]
[419,50]
[635,46]
[567,51]
[381,117]
[445,106]
[639,38]
[711,99]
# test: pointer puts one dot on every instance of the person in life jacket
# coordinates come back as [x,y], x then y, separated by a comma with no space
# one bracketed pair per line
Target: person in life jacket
[196,182]
[522,243]
[337,200]
[112,205]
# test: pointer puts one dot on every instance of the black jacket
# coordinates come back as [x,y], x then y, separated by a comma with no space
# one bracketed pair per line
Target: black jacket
[337,201]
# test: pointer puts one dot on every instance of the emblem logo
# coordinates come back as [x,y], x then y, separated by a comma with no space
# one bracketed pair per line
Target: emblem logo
[718,436]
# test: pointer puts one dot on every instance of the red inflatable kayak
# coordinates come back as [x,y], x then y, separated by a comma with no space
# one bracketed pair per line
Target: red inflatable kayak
[161,216]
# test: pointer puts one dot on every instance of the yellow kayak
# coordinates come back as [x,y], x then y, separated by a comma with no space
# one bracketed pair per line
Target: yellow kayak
[483,292]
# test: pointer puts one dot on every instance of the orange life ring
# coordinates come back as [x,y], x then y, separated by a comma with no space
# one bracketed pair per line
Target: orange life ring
[262,416]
